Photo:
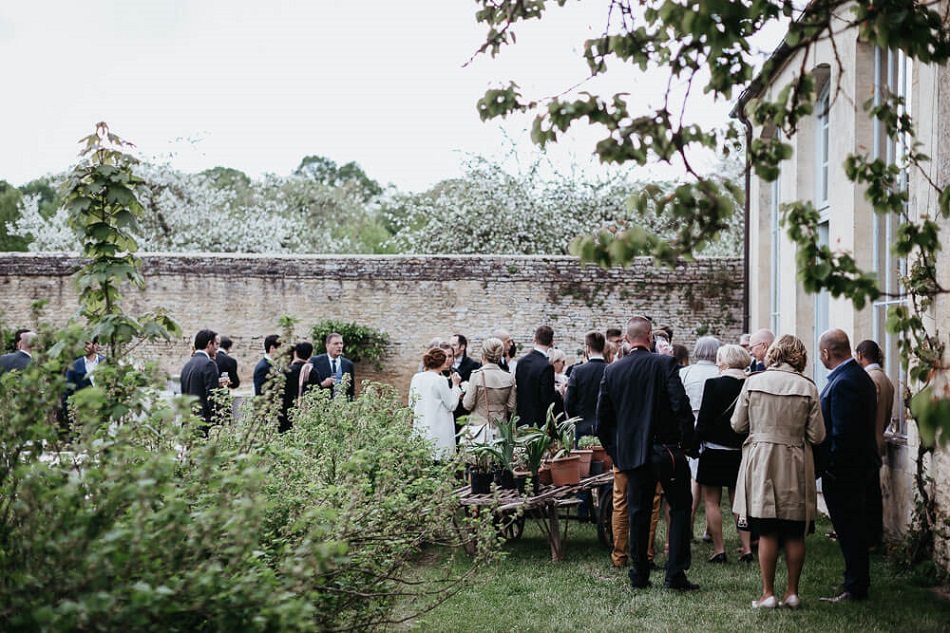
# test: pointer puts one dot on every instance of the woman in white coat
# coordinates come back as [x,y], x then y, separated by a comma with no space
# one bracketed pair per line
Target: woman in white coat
[433,402]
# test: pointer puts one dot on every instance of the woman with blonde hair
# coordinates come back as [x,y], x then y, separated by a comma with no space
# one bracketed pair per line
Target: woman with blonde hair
[433,402]
[775,492]
[721,446]
[490,395]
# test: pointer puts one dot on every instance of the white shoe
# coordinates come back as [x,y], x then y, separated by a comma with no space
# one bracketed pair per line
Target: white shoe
[791,602]
[767,603]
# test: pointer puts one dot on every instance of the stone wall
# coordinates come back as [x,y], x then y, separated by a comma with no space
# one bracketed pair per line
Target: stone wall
[413,299]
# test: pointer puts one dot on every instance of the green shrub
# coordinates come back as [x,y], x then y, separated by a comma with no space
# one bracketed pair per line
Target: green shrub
[361,342]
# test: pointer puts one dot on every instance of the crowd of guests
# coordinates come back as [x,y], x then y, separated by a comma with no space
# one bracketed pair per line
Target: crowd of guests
[740,417]
[737,417]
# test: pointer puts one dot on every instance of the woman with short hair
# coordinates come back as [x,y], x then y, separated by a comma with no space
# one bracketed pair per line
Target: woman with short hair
[775,493]
[721,446]
[433,402]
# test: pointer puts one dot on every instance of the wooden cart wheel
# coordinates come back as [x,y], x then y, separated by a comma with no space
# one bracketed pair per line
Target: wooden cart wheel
[605,515]
[510,527]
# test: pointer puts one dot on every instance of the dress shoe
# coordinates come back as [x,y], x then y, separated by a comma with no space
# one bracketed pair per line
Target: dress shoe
[641,584]
[680,584]
[845,596]
[747,558]
[765,603]
[791,602]
[719,558]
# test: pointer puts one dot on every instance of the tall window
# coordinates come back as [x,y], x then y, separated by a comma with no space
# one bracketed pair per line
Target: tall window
[775,292]
[822,128]
[892,77]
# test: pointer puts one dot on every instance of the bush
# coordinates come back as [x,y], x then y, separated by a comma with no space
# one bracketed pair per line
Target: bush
[137,523]
[360,342]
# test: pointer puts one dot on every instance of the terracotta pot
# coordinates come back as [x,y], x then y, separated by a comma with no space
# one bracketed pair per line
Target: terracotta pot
[544,475]
[600,453]
[566,471]
[585,456]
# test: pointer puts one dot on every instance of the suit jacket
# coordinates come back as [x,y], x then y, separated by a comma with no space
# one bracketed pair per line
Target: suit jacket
[76,378]
[321,363]
[227,363]
[849,407]
[583,389]
[292,391]
[466,367]
[261,370]
[885,403]
[756,366]
[534,380]
[642,403]
[198,377]
[16,360]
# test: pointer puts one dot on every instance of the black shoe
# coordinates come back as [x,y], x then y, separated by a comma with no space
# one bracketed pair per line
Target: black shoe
[640,584]
[680,584]
[832,535]
[746,558]
[719,558]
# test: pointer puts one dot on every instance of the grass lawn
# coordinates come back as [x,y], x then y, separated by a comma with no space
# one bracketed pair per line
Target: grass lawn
[527,592]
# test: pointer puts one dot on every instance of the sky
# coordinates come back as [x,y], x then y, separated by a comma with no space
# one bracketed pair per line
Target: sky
[257,86]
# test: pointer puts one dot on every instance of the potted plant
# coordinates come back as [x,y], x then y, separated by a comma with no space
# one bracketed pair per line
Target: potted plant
[565,468]
[481,460]
[505,445]
[591,443]
[536,444]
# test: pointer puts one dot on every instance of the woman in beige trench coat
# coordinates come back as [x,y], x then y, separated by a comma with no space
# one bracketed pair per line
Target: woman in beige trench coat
[775,492]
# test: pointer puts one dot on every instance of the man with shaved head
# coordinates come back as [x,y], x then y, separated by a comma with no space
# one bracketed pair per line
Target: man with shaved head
[848,457]
[759,344]
[646,424]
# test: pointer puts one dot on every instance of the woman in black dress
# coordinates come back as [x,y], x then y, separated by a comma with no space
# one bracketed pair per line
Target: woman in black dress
[721,446]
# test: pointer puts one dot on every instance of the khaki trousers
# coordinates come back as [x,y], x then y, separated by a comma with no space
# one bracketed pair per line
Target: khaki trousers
[621,520]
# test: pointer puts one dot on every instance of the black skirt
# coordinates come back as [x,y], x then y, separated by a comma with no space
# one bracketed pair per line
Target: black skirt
[779,528]
[718,468]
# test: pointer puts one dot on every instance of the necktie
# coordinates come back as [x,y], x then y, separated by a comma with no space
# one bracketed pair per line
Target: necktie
[334,367]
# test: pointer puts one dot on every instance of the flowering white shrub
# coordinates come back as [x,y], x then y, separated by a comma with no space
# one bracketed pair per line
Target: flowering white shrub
[51,234]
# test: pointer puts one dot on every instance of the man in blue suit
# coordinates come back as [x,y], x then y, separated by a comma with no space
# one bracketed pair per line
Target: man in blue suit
[331,367]
[23,356]
[849,455]
[263,368]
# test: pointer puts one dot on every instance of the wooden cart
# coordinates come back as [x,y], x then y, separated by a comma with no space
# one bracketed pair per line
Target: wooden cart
[510,508]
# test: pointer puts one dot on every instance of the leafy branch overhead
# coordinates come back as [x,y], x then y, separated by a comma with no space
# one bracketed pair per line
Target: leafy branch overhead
[711,49]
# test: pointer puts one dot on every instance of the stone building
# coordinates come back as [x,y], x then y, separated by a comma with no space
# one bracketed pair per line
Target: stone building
[849,74]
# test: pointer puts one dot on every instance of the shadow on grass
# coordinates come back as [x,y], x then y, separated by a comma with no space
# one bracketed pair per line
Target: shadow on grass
[527,592]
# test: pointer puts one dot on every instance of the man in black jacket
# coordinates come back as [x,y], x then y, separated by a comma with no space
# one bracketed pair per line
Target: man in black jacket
[227,364]
[583,386]
[463,364]
[200,376]
[644,421]
[534,380]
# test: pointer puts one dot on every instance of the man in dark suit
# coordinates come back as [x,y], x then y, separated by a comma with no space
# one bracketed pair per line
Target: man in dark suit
[583,386]
[23,356]
[300,378]
[200,375]
[264,366]
[463,364]
[331,367]
[848,457]
[227,364]
[644,422]
[759,344]
[534,380]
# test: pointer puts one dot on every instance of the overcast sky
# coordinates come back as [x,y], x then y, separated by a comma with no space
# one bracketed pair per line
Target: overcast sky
[258,85]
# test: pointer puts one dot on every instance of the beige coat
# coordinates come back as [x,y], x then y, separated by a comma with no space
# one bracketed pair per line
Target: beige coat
[490,395]
[781,411]
[885,403]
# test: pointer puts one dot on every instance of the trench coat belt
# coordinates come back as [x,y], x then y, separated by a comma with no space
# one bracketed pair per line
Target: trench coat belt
[775,438]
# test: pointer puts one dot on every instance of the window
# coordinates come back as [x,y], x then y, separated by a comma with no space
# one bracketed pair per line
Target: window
[775,296]
[892,77]
[822,129]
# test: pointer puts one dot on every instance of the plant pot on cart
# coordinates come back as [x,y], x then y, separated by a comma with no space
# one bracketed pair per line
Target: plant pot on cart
[565,471]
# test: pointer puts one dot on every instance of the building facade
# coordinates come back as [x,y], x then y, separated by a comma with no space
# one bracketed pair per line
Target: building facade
[849,75]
